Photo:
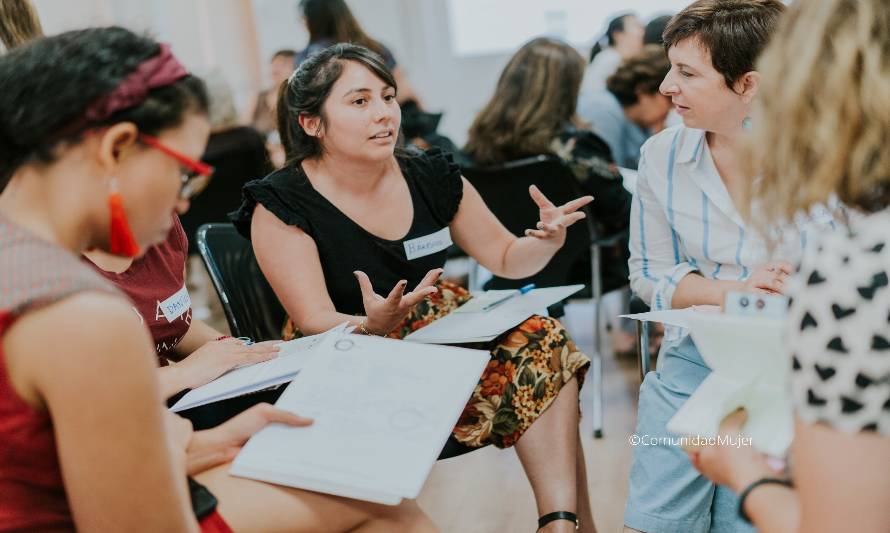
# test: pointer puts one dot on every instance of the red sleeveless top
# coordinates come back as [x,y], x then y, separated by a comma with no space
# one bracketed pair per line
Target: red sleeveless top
[35,273]
[155,284]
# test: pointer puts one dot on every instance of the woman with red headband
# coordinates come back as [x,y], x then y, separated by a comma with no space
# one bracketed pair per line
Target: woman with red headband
[97,166]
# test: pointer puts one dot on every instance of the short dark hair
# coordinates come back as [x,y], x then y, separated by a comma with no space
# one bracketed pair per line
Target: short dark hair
[655,29]
[641,73]
[734,32]
[286,53]
[48,85]
[309,87]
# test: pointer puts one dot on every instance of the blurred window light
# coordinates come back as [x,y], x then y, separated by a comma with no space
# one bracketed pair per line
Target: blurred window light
[480,27]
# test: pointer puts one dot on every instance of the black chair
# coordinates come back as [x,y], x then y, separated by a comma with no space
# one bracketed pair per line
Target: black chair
[251,307]
[504,188]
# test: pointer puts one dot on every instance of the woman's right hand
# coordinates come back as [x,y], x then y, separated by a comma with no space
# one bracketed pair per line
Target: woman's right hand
[219,445]
[768,278]
[215,358]
[384,314]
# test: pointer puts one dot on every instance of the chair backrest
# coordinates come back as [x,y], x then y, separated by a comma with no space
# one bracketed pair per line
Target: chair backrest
[251,307]
[505,191]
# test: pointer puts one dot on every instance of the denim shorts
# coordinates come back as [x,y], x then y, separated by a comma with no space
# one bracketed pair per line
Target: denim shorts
[667,495]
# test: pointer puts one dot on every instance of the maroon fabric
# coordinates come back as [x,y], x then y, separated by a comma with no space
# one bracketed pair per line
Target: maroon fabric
[152,279]
[33,273]
[157,71]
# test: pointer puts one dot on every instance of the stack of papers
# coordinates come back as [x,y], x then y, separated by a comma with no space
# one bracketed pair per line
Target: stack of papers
[383,410]
[751,369]
[471,323]
[244,380]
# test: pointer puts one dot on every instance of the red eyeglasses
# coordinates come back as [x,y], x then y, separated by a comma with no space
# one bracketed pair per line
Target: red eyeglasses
[197,174]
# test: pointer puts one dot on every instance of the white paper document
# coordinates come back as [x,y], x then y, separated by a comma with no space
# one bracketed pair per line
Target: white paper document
[383,410]
[477,325]
[750,369]
[244,380]
[674,317]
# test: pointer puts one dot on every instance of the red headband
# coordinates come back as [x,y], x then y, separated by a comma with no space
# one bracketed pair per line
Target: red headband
[157,71]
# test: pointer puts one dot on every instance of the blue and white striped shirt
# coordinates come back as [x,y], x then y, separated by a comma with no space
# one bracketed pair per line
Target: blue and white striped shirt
[683,220]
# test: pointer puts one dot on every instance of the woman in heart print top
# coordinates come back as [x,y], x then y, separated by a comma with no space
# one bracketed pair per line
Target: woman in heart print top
[838,327]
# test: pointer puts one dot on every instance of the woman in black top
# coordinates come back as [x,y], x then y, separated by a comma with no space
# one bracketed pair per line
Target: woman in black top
[350,217]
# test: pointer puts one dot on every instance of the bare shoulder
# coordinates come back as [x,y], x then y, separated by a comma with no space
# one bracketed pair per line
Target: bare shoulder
[84,338]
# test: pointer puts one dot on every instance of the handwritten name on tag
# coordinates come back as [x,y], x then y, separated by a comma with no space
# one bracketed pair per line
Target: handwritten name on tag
[174,306]
[429,244]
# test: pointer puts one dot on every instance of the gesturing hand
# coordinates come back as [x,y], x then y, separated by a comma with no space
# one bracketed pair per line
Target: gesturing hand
[384,314]
[555,220]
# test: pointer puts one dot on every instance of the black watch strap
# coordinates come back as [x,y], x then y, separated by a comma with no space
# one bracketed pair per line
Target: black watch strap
[762,481]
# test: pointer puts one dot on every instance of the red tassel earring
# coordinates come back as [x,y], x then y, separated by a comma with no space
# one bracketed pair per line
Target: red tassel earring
[121,236]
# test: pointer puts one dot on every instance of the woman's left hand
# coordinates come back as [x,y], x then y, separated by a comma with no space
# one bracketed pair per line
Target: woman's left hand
[555,220]
[734,463]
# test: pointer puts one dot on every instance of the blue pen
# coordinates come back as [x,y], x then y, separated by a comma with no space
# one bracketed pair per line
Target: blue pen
[523,290]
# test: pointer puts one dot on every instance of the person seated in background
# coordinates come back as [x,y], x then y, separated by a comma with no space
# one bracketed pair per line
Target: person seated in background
[95,128]
[654,30]
[331,233]
[532,112]
[330,22]
[236,153]
[623,39]
[260,114]
[838,347]
[631,109]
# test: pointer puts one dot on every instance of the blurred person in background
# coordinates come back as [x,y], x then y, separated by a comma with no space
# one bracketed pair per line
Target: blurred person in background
[623,39]
[630,109]
[261,112]
[532,112]
[654,30]
[236,153]
[19,23]
[330,22]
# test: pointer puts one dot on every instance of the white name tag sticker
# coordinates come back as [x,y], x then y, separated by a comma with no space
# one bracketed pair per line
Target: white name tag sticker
[429,244]
[176,305]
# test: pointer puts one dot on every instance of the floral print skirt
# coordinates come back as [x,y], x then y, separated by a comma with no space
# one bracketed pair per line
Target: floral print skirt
[529,365]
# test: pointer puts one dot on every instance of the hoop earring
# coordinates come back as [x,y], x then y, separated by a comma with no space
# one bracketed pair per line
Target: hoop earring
[120,235]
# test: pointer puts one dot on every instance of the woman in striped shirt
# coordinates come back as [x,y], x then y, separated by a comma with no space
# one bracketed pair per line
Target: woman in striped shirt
[690,246]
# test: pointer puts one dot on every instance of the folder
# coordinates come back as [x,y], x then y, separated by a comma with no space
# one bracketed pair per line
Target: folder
[471,323]
[383,410]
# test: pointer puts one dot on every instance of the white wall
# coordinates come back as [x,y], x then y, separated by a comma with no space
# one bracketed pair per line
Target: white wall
[239,36]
